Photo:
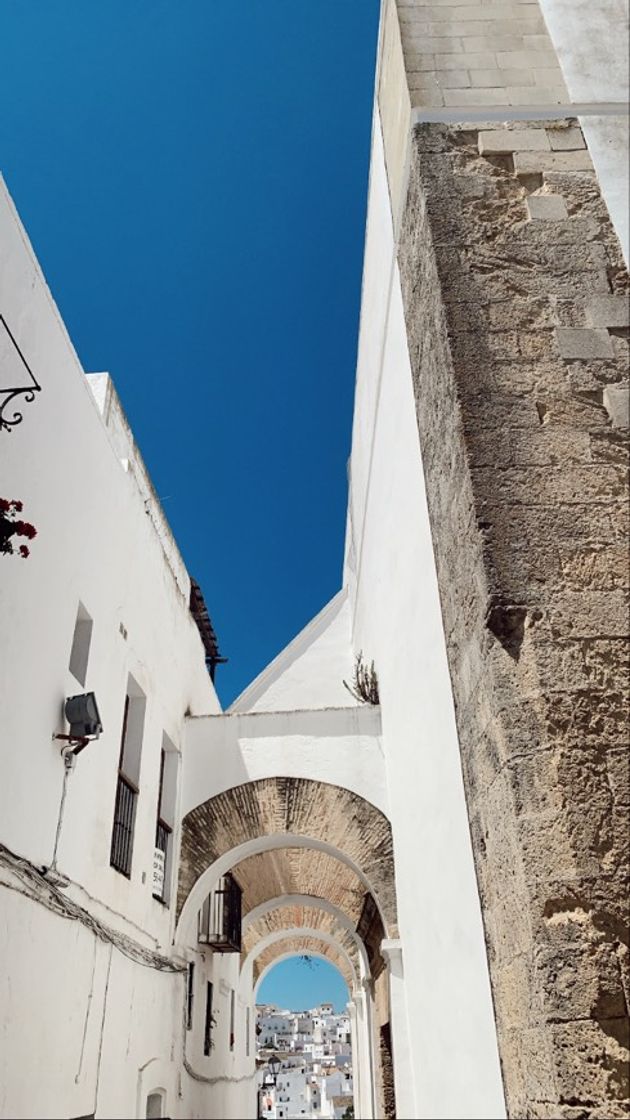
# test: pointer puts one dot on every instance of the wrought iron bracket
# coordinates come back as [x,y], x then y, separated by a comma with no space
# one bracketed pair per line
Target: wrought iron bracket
[10,415]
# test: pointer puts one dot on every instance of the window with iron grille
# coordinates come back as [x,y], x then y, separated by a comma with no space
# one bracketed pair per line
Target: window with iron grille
[207,1029]
[128,779]
[220,917]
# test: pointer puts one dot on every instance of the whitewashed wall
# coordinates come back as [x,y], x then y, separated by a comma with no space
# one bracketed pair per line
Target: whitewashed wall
[96,543]
[78,1031]
[397,621]
[222,1084]
[83,1028]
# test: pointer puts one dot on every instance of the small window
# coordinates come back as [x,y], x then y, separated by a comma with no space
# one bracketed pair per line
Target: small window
[81,639]
[207,1030]
[190,995]
[232,1016]
[128,778]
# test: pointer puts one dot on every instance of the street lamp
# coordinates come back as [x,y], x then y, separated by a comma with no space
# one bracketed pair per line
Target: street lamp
[274,1067]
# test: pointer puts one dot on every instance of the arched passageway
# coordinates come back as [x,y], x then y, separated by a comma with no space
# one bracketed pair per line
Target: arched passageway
[312,865]
[306,1036]
[341,821]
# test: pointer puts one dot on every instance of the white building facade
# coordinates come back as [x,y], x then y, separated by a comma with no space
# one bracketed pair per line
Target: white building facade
[312,1076]
[150,879]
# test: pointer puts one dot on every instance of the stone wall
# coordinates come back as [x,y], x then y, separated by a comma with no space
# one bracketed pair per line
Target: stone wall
[517,317]
[479,53]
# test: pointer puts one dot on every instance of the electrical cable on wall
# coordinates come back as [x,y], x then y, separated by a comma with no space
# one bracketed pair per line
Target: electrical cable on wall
[34,885]
[64,790]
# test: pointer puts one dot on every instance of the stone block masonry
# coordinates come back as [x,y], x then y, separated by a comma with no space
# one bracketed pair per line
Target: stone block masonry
[500,51]
[517,332]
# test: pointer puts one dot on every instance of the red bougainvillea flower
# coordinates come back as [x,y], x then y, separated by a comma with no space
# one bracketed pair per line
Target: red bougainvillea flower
[17,506]
[25,529]
[24,551]
[5,506]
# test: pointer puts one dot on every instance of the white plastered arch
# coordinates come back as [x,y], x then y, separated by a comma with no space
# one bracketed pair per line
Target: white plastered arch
[279,935]
[186,925]
[314,902]
[287,956]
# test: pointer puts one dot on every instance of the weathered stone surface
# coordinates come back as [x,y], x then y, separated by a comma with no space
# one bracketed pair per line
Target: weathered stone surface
[608,311]
[517,140]
[529,506]
[565,139]
[616,400]
[528,162]
[584,343]
[547,207]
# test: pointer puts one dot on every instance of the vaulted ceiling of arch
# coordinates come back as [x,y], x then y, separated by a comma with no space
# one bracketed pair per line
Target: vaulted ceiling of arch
[307,808]
[290,917]
[307,871]
[303,945]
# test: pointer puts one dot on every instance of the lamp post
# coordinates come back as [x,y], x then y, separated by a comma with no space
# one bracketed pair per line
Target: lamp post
[265,1103]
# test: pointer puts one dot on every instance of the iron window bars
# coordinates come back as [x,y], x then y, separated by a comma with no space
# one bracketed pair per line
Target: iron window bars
[124,810]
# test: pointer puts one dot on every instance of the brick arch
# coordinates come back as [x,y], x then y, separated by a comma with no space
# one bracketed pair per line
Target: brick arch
[308,871]
[329,815]
[302,945]
[293,917]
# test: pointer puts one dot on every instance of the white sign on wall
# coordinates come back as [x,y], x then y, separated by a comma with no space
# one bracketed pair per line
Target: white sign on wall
[158,871]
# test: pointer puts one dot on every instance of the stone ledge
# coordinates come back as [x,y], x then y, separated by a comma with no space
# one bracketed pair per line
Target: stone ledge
[584,342]
[547,207]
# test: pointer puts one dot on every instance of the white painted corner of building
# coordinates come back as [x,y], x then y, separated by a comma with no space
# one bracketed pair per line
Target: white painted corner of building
[310,671]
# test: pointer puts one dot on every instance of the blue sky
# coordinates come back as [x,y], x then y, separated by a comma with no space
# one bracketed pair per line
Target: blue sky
[298,985]
[193,174]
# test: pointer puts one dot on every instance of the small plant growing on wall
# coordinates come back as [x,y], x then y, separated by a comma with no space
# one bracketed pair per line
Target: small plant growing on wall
[364,685]
[12,526]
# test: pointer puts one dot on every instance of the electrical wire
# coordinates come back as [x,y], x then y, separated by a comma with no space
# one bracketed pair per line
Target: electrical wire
[215,1080]
[31,883]
[64,790]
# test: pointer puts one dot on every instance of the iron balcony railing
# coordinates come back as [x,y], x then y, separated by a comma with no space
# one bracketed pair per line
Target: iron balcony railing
[124,820]
[220,917]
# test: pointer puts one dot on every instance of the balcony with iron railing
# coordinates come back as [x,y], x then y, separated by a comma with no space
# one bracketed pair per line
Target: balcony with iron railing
[220,917]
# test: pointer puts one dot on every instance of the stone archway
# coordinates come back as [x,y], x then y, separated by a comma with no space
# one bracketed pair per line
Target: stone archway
[317,814]
[303,941]
[300,871]
[285,955]
[302,916]
[315,861]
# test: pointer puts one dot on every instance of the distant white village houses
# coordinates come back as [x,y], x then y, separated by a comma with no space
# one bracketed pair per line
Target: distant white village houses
[305,1063]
